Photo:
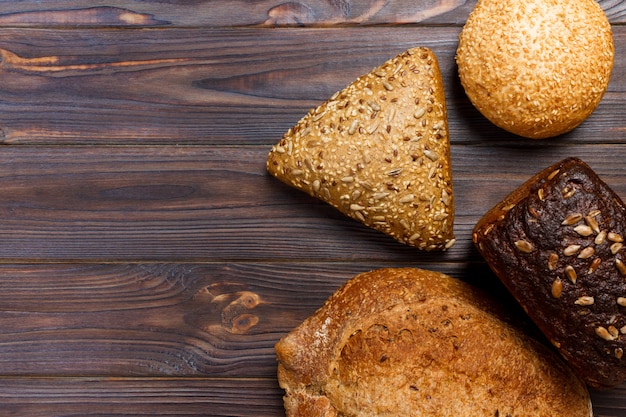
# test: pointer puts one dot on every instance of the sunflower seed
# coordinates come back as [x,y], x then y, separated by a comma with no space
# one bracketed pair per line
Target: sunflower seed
[407,199]
[584,301]
[592,223]
[586,253]
[600,237]
[557,288]
[570,273]
[571,250]
[572,219]
[621,267]
[594,265]
[524,246]
[584,230]
[604,334]
[552,261]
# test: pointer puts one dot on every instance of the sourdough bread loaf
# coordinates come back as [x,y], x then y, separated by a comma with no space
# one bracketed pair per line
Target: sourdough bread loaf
[379,152]
[556,242]
[412,342]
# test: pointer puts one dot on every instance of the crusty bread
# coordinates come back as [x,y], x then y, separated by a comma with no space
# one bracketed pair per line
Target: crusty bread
[379,152]
[536,68]
[412,342]
[556,243]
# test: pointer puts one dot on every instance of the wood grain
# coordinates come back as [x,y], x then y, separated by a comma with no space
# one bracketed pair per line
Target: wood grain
[269,13]
[121,87]
[171,203]
[43,397]
[148,263]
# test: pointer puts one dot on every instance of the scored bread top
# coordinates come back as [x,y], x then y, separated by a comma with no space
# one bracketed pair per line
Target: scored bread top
[556,242]
[404,341]
[379,152]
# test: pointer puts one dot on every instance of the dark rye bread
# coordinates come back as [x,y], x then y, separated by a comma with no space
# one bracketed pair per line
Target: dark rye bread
[413,342]
[556,243]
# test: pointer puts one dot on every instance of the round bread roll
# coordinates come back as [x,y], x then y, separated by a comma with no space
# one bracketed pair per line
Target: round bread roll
[536,68]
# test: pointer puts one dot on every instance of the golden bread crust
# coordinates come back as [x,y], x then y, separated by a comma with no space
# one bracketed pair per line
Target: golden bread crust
[536,68]
[403,341]
[379,152]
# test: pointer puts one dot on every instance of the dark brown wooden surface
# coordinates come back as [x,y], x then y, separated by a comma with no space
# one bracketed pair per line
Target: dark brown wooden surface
[148,263]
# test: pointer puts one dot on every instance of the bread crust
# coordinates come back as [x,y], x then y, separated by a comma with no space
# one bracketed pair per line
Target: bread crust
[406,341]
[556,243]
[536,68]
[379,152]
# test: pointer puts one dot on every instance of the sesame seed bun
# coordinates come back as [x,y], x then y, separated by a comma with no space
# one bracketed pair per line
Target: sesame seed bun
[536,68]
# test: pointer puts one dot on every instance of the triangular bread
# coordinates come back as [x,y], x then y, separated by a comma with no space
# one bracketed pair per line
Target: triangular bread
[379,152]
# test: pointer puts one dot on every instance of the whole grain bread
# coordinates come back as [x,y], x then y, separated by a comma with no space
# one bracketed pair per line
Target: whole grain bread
[413,342]
[556,243]
[379,152]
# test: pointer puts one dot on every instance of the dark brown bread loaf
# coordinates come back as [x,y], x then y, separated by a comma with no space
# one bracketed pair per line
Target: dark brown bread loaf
[412,342]
[557,244]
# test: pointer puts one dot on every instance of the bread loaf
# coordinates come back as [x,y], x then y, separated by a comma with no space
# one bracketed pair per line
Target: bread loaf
[557,243]
[379,152]
[412,342]
[536,68]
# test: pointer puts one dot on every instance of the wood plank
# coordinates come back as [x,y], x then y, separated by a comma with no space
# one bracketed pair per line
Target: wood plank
[219,320]
[53,13]
[90,86]
[37,397]
[219,204]
[110,338]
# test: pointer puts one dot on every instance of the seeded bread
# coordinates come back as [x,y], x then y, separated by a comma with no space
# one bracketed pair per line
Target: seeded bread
[379,152]
[536,68]
[412,342]
[557,244]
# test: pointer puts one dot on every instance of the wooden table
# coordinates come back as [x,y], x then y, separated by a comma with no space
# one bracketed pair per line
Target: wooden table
[148,263]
